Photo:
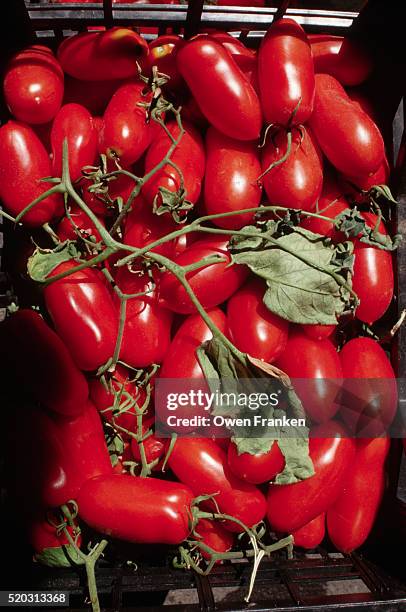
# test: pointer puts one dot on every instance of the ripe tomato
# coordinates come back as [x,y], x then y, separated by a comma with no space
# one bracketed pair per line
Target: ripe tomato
[258,468]
[380,177]
[73,122]
[202,465]
[292,506]
[318,332]
[232,169]
[297,182]
[43,536]
[93,95]
[286,74]
[126,133]
[212,75]
[330,204]
[31,352]
[66,230]
[147,329]
[122,383]
[350,519]
[154,448]
[24,162]
[264,334]
[162,53]
[143,226]
[145,510]
[372,280]
[84,315]
[311,535]
[212,534]
[348,137]
[33,85]
[325,48]
[189,156]
[317,367]
[180,360]
[369,397]
[242,55]
[212,284]
[99,56]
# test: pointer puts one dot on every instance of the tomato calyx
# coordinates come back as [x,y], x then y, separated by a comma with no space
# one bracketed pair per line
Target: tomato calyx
[173,202]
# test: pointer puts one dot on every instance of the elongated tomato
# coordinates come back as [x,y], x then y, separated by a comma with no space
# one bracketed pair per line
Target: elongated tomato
[33,85]
[317,368]
[73,122]
[84,315]
[373,279]
[180,360]
[286,74]
[140,510]
[188,156]
[126,133]
[212,284]
[147,329]
[297,182]
[330,204]
[292,506]
[23,163]
[232,169]
[98,56]
[202,465]
[351,517]
[347,135]
[32,353]
[369,397]
[264,335]
[311,535]
[212,75]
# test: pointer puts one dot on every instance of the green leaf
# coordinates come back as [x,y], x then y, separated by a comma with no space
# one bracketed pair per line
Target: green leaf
[297,268]
[353,225]
[43,261]
[223,371]
[61,556]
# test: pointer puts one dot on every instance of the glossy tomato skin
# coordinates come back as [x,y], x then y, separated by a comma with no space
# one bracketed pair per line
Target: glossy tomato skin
[325,48]
[42,535]
[330,204]
[212,284]
[126,133]
[104,400]
[311,535]
[292,506]
[202,465]
[212,534]
[258,468]
[73,122]
[143,226]
[98,56]
[66,230]
[189,156]
[309,360]
[147,329]
[263,335]
[369,399]
[347,136]
[212,75]
[33,85]
[373,279]
[232,169]
[24,162]
[351,517]
[84,315]
[32,353]
[154,448]
[318,332]
[139,510]
[162,52]
[180,360]
[380,177]
[297,182]
[286,74]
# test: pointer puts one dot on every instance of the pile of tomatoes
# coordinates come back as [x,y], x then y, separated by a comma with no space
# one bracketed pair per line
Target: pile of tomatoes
[118,144]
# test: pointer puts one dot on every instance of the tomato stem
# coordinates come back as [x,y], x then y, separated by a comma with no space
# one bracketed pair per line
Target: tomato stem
[284,157]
